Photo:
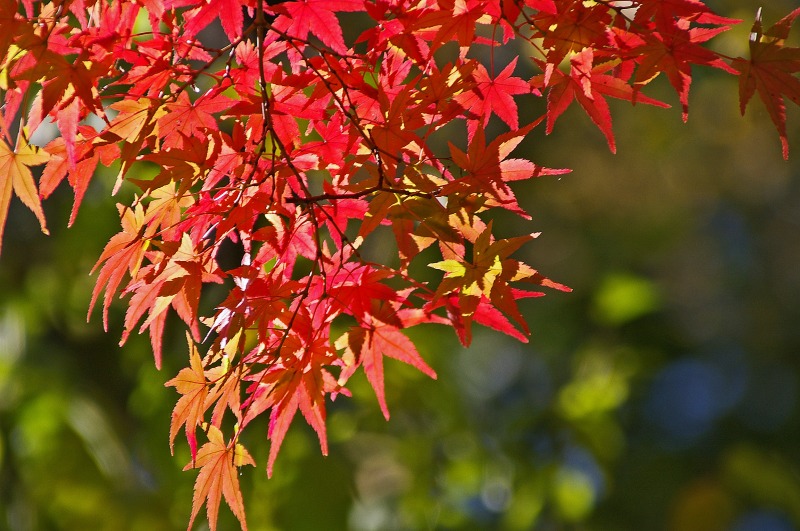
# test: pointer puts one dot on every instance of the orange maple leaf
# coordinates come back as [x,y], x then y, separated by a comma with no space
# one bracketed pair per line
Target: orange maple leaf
[192,384]
[15,174]
[123,253]
[218,462]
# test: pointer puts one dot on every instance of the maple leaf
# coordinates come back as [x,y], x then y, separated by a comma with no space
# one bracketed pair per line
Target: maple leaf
[190,118]
[290,241]
[664,12]
[674,50]
[136,122]
[190,382]
[218,462]
[494,95]
[229,13]
[380,336]
[397,134]
[587,84]
[573,26]
[293,391]
[299,18]
[456,19]
[122,254]
[78,174]
[487,276]
[175,279]
[490,170]
[354,287]
[485,314]
[297,380]
[226,388]
[183,165]
[68,94]
[769,71]
[15,174]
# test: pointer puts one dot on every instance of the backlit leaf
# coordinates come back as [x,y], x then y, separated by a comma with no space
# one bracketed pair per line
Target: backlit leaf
[15,174]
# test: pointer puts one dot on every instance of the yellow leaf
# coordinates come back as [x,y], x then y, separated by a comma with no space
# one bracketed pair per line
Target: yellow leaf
[452,268]
[15,174]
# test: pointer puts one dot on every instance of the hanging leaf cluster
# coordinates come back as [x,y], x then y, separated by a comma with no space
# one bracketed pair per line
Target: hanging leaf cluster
[316,134]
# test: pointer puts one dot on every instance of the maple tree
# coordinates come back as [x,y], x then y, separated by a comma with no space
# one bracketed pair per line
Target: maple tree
[302,144]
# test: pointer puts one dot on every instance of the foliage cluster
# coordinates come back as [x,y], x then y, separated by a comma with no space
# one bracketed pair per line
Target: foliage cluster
[302,149]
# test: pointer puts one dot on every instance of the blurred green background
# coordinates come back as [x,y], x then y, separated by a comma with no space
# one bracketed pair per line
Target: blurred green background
[661,394]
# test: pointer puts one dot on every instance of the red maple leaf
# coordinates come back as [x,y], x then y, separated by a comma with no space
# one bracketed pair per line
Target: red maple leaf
[295,380]
[191,118]
[487,276]
[588,84]
[489,170]
[674,50]
[485,313]
[229,13]
[574,26]
[78,174]
[380,336]
[664,12]
[299,18]
[494,95]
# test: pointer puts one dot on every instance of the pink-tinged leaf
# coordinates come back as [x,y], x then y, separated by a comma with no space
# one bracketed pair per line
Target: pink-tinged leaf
[145,297]
[67,119]
[297,382]
[186,119]
[79,176]
[157,337]
[489,174]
